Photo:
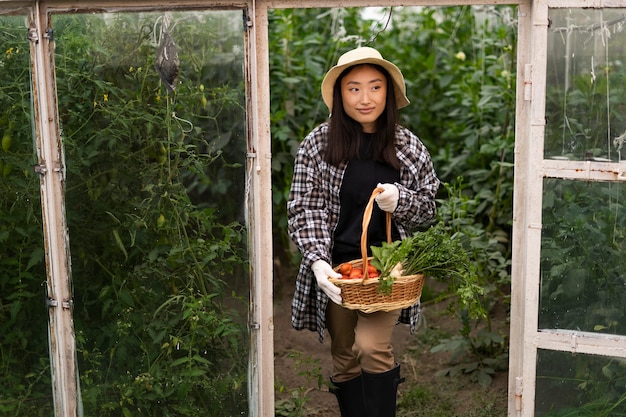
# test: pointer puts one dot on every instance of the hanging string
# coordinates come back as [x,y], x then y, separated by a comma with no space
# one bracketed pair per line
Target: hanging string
[618,142]
[180,119]
[604,31]
[568,56]
[373,38]
[590,28]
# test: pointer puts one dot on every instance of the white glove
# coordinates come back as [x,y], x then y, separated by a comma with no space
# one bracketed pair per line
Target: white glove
[322,271]
[388,199]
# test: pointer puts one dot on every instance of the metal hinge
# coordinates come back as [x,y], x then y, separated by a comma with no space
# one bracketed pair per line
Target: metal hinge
[51,302]
[247,20]
[33,35]
[40,169]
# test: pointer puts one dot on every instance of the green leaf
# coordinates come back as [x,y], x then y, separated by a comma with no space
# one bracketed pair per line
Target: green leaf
[484,379]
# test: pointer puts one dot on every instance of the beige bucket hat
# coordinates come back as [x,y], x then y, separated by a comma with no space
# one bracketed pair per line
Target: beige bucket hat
[363,55]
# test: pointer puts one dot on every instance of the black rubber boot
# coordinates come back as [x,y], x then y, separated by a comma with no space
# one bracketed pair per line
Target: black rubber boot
[379,392]
[349,396]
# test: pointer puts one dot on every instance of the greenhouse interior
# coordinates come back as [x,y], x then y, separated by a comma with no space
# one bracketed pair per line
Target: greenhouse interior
[147,156]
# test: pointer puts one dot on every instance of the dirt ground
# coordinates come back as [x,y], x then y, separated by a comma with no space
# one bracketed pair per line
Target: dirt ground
[300,359]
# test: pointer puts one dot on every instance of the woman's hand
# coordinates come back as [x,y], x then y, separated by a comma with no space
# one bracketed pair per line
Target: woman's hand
[388,199]
[322,271]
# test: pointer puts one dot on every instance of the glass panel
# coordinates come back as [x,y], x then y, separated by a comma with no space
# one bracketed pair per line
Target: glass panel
[153,121]
[585,85]
[582,258]
[571,385]
[24,363]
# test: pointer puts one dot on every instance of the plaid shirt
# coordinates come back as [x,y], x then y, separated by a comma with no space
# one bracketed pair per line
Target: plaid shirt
[313,213]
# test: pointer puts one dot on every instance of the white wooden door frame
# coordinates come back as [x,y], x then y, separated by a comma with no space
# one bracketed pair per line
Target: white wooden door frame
[51,170]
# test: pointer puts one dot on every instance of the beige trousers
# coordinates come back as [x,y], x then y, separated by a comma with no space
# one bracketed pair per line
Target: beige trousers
[360,341]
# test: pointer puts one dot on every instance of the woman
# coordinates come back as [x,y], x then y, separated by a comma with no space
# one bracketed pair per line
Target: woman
[337,167]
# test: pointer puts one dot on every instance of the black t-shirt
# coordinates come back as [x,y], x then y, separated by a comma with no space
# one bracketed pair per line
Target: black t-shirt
[361,177]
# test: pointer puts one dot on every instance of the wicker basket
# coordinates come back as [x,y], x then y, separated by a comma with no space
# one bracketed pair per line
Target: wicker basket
[362,294]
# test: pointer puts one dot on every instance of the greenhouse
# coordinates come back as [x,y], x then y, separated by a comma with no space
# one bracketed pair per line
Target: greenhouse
[147,153]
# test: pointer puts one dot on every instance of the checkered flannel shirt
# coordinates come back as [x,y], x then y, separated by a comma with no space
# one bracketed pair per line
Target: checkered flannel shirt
[313,213]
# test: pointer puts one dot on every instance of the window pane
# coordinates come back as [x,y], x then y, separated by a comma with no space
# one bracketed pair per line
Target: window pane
[24,363]
[582,258]
[571,385]
[585,85]
[153,124]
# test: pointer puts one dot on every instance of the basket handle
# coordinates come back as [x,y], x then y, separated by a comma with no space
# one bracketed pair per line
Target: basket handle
[367,215]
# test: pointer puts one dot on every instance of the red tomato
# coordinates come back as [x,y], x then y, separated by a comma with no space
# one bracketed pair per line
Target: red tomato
[356,273]
[345,268]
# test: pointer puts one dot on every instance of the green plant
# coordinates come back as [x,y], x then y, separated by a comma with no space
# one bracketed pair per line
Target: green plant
[434,253]
[459,63]
[24,364]
[153,196]
[154,189]
[488,249]
[480,354]
[478,349]
[294,405]
[582,264]
[440,398]
[581,385]
[424,401]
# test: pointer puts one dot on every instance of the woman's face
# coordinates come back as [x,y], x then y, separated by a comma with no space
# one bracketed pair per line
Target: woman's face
[364,95]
